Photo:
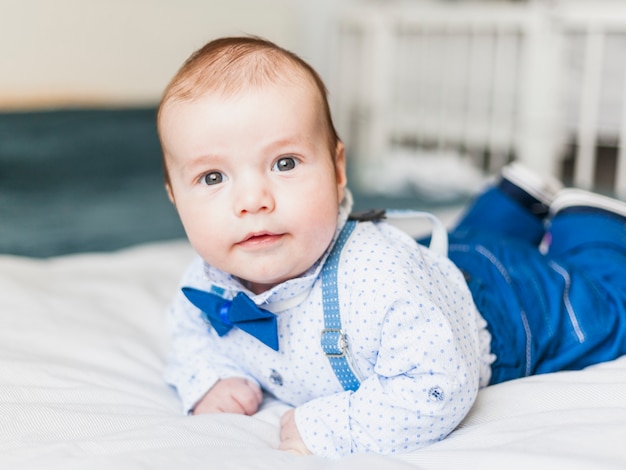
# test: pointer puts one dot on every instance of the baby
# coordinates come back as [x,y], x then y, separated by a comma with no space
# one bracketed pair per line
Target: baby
[376,340]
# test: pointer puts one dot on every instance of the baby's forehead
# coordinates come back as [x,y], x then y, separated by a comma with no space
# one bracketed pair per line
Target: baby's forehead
[199,84]
[283,76]
[246,89]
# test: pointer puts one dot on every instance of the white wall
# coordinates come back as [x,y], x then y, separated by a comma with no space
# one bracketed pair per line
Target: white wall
[72,52]
[317,23]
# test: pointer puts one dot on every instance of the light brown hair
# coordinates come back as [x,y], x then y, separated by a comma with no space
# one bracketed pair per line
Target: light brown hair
[229,64]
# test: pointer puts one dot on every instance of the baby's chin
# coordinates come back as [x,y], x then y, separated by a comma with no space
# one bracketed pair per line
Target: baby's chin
[262,285]
[256,286]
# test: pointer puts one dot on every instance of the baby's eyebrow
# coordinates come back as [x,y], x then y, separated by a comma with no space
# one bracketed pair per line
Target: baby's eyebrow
[202,161]
[288,143]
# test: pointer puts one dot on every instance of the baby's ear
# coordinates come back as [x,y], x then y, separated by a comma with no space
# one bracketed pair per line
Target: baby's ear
[340,168]
[170,194]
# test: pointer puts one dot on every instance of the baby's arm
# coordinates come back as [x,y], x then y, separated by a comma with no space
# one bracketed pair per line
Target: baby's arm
[231,395]
[206,380]
[424,380]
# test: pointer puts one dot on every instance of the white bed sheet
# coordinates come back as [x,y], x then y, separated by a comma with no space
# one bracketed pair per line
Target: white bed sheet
[82,346]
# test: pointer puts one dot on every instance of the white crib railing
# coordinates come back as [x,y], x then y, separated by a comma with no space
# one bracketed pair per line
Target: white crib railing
[544,83]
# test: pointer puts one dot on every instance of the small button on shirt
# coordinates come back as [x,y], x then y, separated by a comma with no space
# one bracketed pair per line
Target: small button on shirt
[415,339]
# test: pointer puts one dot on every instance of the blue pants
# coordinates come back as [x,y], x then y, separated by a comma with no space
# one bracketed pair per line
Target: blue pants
[562,310]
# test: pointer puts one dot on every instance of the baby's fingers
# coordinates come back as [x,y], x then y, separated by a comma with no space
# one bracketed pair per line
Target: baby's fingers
[290,439]
[249,398]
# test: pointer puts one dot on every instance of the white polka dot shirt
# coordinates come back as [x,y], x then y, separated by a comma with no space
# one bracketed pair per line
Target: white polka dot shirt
[414,334]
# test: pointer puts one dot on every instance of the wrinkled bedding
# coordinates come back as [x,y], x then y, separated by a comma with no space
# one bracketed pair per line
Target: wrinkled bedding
[82,347]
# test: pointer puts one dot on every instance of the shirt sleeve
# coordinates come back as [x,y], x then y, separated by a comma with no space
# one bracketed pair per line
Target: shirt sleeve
[424,381]
[194,363]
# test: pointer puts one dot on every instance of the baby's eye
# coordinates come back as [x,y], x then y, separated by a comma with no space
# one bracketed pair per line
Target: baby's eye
[213,177]
[285,164]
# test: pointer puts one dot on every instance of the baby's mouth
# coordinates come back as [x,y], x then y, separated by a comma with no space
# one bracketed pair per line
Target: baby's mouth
[260,239]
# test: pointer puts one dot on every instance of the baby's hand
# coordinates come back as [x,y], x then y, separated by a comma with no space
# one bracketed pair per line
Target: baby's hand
[290,439]
[232,395]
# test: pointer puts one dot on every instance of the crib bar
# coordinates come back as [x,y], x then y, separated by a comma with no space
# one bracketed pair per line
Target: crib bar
[536,129]
[383,52]
[620,171]
[587,129]
[503,107]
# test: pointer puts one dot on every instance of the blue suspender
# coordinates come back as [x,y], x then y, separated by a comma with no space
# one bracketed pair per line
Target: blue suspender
[333,341]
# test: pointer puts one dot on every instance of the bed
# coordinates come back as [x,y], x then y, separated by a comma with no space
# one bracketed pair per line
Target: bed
[82,347]
[83,291]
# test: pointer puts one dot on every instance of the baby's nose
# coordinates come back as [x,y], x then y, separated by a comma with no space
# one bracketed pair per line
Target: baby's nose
[254,197]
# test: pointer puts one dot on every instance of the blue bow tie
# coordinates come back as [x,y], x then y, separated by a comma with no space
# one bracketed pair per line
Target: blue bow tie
[241,312]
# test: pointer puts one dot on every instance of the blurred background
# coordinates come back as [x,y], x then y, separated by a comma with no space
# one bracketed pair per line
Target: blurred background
[431,98]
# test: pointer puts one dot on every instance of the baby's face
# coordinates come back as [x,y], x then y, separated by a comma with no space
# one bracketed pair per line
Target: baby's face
[253,180]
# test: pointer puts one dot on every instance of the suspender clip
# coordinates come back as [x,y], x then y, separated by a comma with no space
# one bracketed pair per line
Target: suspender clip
[334,342]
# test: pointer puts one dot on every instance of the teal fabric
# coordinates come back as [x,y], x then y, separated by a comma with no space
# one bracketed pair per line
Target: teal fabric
[81,180]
